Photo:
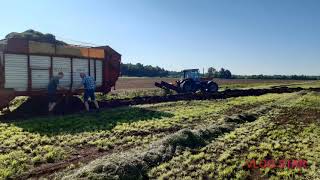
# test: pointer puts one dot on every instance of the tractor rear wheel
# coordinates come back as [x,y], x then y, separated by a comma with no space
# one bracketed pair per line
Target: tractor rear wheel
[188,86]
[212,87]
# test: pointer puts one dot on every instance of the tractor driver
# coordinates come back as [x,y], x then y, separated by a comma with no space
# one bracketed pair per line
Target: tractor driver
[52,90]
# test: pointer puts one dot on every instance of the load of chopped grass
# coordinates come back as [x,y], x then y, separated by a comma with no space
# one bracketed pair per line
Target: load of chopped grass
[35,36]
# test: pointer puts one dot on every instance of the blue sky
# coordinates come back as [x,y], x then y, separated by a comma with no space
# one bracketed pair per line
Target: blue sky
[245,36]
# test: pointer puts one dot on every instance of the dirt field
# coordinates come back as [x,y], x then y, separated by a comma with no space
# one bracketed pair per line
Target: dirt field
[143,83]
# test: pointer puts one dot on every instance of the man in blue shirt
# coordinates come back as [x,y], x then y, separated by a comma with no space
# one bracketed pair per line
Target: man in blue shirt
[89,85]
[52,90]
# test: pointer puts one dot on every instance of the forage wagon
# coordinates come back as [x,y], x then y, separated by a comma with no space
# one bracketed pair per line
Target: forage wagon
[26,65]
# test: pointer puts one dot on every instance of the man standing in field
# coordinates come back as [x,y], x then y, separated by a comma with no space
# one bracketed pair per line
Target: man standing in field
[89,85]
[52,90]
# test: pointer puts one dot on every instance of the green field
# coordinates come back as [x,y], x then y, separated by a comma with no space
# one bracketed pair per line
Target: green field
[208,139]
[145,86]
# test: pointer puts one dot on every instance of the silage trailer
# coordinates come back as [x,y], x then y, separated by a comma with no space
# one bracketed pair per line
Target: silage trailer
[27,65]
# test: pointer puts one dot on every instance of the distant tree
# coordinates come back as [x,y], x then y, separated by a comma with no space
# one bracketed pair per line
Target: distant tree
[212,72]
[227,74]
[221,73]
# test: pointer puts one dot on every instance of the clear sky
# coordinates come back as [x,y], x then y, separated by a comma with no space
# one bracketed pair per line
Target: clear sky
[245,36]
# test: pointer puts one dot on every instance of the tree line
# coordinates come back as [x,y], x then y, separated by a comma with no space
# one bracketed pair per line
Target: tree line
[281,77]
[140,70]
[222,73]
[226,74]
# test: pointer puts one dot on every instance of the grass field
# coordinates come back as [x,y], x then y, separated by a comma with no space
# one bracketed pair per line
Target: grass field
[129,87]
[147,83]
[210,139]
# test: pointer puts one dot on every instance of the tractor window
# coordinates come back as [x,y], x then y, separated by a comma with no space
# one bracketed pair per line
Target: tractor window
[192,75]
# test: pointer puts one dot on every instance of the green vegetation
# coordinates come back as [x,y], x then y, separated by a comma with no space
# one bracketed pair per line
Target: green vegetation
[283,77]
[262,85]
[285,126]
[139,70]
[222,73]
[122,94]
[310,84]
[226,157]
[45,140]
[290,131]
[131,93]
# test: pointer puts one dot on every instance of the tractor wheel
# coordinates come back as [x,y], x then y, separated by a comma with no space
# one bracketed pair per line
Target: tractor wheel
[212,87]
[188,86]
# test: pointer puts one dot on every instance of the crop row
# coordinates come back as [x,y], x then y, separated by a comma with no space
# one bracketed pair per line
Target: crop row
[132,160]
[35,142]
[289,132]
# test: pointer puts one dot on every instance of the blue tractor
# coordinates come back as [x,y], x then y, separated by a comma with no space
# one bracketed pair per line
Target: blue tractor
[190,82]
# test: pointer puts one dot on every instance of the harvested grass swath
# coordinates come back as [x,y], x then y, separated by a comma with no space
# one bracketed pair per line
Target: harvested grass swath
[135,165]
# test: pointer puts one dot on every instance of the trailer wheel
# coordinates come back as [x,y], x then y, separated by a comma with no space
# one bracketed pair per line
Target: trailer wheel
[212,87]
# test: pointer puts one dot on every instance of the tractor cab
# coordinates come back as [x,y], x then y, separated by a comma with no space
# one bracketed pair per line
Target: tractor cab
[193,74]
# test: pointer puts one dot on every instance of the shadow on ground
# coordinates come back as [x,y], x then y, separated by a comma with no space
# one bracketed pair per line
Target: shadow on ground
[88,122]
[37,106]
